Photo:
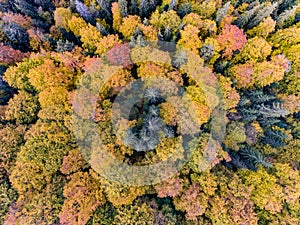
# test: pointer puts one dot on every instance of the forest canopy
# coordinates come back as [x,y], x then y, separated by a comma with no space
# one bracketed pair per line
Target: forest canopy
[195,103]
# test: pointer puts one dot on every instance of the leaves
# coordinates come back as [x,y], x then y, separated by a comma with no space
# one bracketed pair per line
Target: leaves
[231,39]
[252,155]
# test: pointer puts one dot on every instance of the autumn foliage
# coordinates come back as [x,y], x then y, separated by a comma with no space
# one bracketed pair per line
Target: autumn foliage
[211,86]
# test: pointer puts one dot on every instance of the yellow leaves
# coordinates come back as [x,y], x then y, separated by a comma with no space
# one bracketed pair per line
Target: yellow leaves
[151,69]
[129,25]
[167,147]
[49,74]
[235,135]
[266,193]
[168,113]
[255,50]
[190,38]
[168,19]
[263,30]
[230,95]
[285,38]
[120,195]
[292,53]
[62,17]
[207,181]
[90,37]
[206,9]
[75,24]
[106,43]
[83,195]
[150,32]
[200,104]
[259,74]
[53,96]
[266,73]
[192,19]
[289,178]
[22,108]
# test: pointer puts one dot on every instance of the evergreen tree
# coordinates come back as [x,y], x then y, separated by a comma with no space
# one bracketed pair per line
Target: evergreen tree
[84,12]
[123,5]
[222,12]
[17,35]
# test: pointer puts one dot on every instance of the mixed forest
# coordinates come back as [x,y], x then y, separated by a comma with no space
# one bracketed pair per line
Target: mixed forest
[248,49]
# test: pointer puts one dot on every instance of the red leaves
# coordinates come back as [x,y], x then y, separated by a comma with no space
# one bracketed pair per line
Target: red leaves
[231,39]
[9,55]
[119,55]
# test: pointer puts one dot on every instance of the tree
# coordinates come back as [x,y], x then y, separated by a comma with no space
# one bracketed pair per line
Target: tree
[7,197]
[44,140]
[242,75]
[17,35]
[222,12]
[285,38]
[147,7]
[167,19]
[169,188]
[189,38]
[255,50]
[117,16]
[119,55]
[266,73]
[137,213]
[107,43]
[263,29]
[23,21]
[129,25]
[193,201]
[22,108]
[231,39]
[235,135]
[62,16]
[123,5]
[90,37]
[84,12]
[51,74]
[230,95]
[73,162]
[267,194]
[9,55]
[83,195]
[40,207]
[12,138]
[232,203]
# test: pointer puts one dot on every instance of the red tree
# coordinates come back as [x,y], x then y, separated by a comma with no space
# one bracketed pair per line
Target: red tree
[9,55]
[231,39]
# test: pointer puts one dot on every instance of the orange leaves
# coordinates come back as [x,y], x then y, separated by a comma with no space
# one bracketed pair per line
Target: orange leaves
[243,75]
[190,39]
[193,201]
[129,24]
[49,74]
[231,39]
[106,43]
[169,188]
[266,73]
[83,195]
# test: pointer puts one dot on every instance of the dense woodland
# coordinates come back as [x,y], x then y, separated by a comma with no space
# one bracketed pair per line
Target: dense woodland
[249,48]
